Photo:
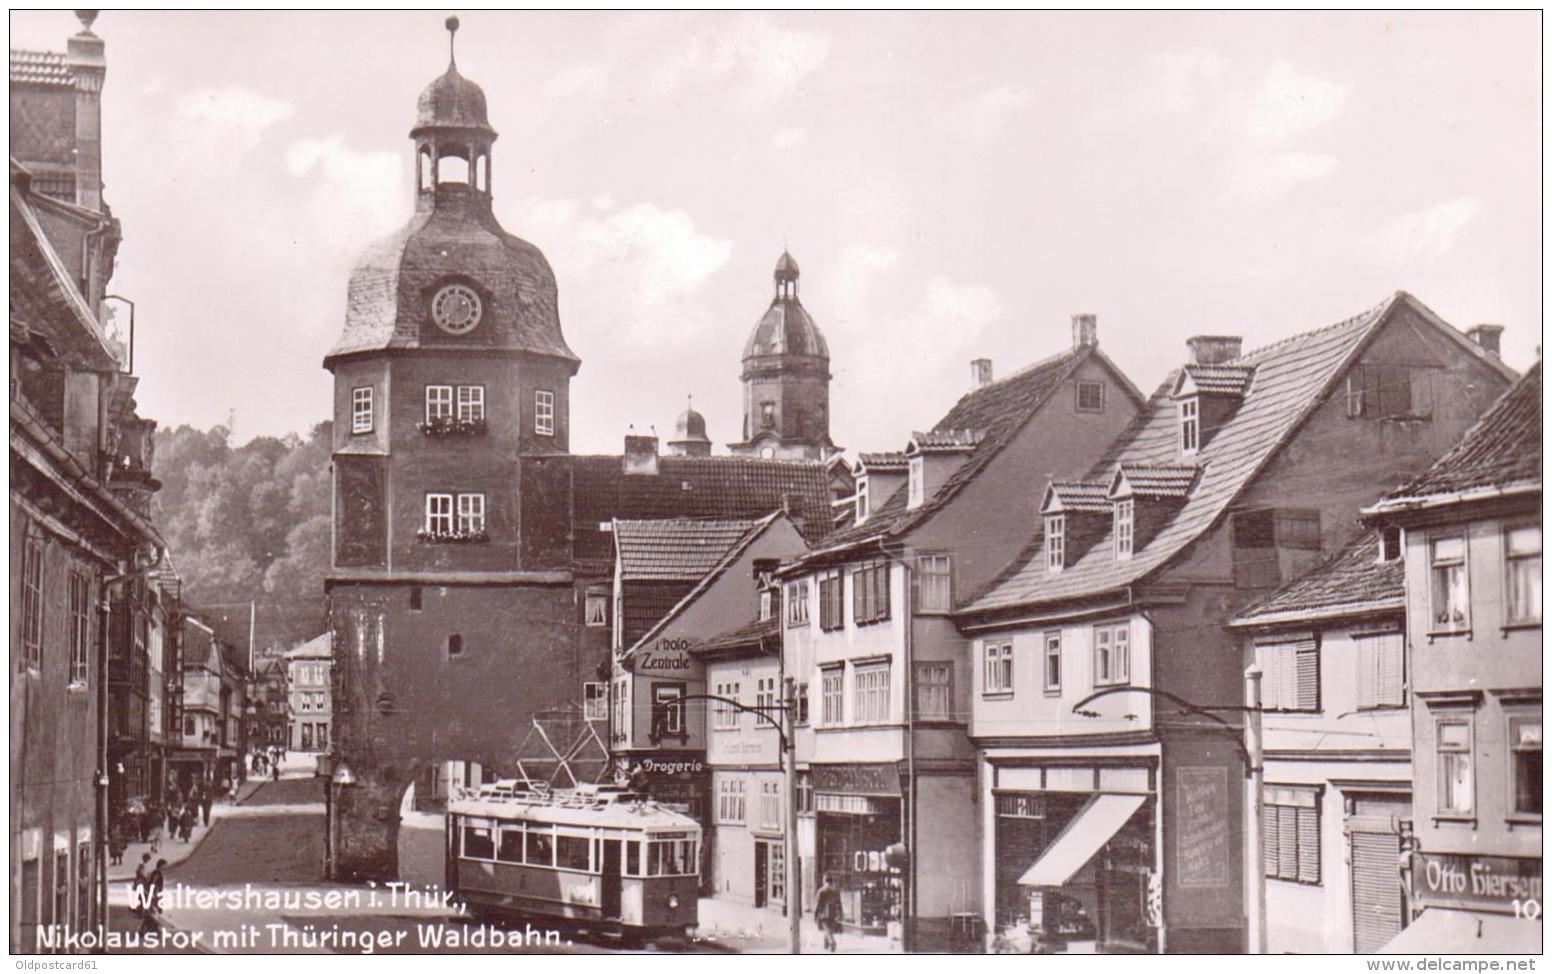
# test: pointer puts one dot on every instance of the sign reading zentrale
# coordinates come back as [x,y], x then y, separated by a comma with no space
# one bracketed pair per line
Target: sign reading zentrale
[856,779]
[1445,880]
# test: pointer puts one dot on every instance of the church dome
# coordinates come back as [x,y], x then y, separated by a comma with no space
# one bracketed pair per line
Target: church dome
[786,328]
[690,425]
[451,102]
[786,267]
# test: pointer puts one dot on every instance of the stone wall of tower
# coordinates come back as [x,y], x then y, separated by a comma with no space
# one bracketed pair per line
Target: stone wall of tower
[801,394]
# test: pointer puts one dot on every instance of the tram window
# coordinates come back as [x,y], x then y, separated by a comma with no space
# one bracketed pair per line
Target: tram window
[541,850]
[674,858]
[632,857]
[571,852]
[511,847]
[478,843]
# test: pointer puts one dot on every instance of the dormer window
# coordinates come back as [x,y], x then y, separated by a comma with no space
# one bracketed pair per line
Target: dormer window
[862,499]
[1055,542]
[1390,544]
[917,484]
[1190,425]
[1124,528]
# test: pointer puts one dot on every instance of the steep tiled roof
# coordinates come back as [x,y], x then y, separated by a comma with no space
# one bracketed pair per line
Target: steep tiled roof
[1159,479]
[1291,377]
[947,440]
[39,68]
[319,647]
[883,461]
[1502,450]
[998,411]
[1352,582]
[674,549]
[1081,495]
[730,487]
[1229,380]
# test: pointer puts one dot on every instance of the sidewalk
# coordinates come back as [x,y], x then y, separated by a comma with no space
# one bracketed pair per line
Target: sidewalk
[752,930]
[176,850]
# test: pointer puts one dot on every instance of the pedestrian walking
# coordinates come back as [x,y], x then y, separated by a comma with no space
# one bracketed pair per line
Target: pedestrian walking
[205,799]
[186,823]
[116,843]
[172,816]
[827,912]
[153,898]
[274,771]
[142,884]
[233,793]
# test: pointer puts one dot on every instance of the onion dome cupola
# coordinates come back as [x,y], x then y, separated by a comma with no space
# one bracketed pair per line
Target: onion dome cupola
[690,439]
[452,277]
[786,377]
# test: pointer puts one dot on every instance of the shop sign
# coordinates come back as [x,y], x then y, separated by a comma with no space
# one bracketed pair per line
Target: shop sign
[668,656]
[675,766]
[1202,827]
[856,779]
[1446,880]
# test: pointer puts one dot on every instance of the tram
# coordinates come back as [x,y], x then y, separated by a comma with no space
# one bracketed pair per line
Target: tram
[599,857]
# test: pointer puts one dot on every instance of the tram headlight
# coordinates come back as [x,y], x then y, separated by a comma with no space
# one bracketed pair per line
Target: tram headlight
[673,901]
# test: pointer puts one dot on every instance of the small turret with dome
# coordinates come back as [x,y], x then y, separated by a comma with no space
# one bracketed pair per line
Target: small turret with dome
[690,439]
[786,378]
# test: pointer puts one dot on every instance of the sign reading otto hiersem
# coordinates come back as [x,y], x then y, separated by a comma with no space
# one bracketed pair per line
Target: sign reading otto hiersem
[1490,881]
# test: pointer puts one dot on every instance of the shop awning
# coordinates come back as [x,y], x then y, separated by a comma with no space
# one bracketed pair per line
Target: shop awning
[1443,931]
[1090,829]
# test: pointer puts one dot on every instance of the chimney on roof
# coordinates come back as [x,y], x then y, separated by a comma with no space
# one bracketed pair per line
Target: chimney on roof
[792,506]
[980,373]
[640,455]
[1214,349]
[1489,337]
[1085,331]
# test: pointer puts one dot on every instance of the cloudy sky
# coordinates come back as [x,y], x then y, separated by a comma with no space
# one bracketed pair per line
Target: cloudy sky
[953,185]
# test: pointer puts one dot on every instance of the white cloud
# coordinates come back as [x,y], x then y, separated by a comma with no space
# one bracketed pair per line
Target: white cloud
[355,196]
[988,114]
[789,137]
[637,273]
[603,201]
[1262,176]
[1290,104]
[860,267]
[1427,233]
[1174,82]
[577,80]
[241,114]
[763,60]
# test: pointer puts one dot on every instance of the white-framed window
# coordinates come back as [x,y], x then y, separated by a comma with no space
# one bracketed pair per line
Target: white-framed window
[361,409]
[1381,669]
[934,575]
[471,403]
[935,691]
[770,805]
[595,606]
[730,801]
[439,403]
[797,603]
[1291,679]
[1112,654]
[767,604]
[1525,763]
[1291,834]
[668,711]
[471,513]
[832,686]
[1053,661]
[862,499]
[1125,527]
[997,667]
[544,412]
[80,627]
[1091,397]
[621,700]
[32,602]
[439,513]
[1522,574]
[1055,542]
[765,695]
[1457,769]
[725,715]
[595,701]
[1450,605]
[1190,425]
[916,483]
[871,692]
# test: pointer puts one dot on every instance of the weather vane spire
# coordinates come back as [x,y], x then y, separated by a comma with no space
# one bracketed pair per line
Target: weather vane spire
[452,39]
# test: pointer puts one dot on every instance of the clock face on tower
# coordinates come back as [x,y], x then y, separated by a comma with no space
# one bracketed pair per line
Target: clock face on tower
[456,309]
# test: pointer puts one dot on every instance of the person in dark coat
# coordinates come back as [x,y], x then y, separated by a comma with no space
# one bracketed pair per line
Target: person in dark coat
[142,884]
[172,816]
[186,823]
[827,912]
[205,798]
[153,897]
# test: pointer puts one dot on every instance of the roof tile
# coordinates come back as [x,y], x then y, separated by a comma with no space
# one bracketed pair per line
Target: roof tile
[39,68]
[677,549]
[1352,581]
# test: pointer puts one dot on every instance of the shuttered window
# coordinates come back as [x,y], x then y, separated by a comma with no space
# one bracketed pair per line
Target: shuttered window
[1381,670]
[1291,834]
[831,616]
[1291,679]
[870,593]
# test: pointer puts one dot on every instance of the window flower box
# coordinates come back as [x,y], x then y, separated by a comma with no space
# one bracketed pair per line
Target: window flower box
[452,537]
[452,426]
